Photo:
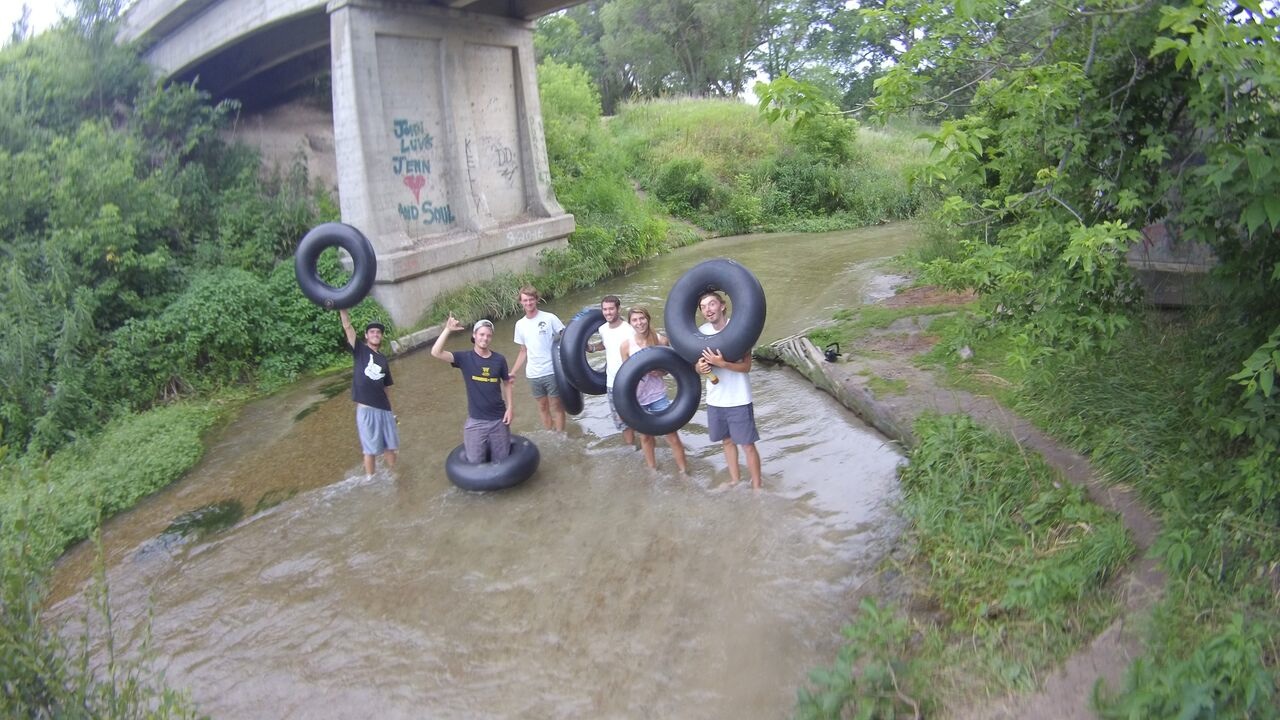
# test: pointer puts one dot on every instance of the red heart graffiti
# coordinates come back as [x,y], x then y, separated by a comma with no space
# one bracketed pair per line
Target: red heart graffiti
[415,183]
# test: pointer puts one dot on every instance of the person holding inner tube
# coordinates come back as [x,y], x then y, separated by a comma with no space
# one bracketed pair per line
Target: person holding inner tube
[730,414]
[370,378]
[652,390]
[487,433]
[534,333]
[613,333]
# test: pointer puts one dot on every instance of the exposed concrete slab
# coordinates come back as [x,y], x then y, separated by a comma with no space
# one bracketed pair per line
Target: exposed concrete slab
[1169,269]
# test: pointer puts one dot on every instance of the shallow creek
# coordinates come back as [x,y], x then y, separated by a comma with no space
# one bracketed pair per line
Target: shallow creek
[600,588]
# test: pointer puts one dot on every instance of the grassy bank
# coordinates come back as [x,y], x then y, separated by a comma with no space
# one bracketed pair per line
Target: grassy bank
[722,166]
[1139,412]
[1008,568]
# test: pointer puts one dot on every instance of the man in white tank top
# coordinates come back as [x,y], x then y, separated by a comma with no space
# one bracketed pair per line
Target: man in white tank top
[613,333]
[730,414]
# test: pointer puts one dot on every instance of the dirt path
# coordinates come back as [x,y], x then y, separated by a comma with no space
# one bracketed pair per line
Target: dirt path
[1065,693]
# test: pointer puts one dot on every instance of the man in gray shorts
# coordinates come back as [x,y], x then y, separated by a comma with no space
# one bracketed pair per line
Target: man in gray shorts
[731,416]
[370,378]
[487,433]
[534,333]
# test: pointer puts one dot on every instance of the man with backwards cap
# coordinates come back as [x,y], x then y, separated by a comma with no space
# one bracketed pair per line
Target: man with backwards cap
[370,378]
[486,435]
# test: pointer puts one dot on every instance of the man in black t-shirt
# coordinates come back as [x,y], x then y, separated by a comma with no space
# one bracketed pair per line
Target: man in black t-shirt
[487,433]
[370,378]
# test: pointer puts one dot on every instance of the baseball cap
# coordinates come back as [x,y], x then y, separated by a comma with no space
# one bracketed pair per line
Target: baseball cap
[481,323]
[375,325]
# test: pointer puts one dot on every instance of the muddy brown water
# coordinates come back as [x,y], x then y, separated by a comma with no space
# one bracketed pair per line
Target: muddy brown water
[599,588]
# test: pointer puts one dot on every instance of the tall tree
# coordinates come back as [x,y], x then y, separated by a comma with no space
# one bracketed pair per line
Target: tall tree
[573,37]
[700,47]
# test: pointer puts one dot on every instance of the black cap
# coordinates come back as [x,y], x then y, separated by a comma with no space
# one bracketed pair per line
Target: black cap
[375,324]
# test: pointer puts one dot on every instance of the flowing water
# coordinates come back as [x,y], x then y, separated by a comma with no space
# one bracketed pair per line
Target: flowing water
[599,588]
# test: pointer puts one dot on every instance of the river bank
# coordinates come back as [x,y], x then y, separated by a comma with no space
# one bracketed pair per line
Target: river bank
[881,378]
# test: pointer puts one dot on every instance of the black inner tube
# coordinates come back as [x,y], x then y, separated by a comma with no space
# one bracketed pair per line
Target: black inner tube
[363,257]
[746,322]
[570,398]
[682,408]
[483,477]
[573,352]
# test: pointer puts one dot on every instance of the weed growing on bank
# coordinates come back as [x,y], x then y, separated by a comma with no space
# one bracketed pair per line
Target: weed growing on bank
[62,501]
[44,676]
[1014,563]
[46,506]
[1142,412]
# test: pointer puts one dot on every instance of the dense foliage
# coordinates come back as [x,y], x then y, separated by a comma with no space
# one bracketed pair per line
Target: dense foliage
[723,167]
[717,48]
[1068,134]
[143,258]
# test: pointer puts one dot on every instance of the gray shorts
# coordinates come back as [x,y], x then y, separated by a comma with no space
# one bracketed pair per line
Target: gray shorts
[736,423]
[544,386]
[613,412]
[486,440]
[377,430]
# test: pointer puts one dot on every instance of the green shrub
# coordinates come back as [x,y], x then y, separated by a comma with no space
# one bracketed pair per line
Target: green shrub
[44,677]
[807,184]
[874,675]
[303,336]
[683,185]
[830,137]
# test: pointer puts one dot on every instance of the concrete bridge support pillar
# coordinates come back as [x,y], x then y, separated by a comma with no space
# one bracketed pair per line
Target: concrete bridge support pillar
[440,150]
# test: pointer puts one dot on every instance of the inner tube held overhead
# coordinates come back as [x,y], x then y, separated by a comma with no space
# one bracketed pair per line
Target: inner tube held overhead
[363,258]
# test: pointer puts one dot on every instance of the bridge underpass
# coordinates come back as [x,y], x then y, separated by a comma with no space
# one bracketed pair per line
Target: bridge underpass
[440,154]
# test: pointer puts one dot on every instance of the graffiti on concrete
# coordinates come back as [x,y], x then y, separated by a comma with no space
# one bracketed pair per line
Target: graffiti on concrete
[427,213]
[505,159]
[413,137]
[411,164]
[415,183]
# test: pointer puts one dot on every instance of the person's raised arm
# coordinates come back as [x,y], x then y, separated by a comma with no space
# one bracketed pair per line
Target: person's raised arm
[437,350]
[347,327]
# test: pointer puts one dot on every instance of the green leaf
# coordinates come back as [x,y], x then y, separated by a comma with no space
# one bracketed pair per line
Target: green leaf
[1255,215]
[1165,44]
[1272,204]
[1260,165]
